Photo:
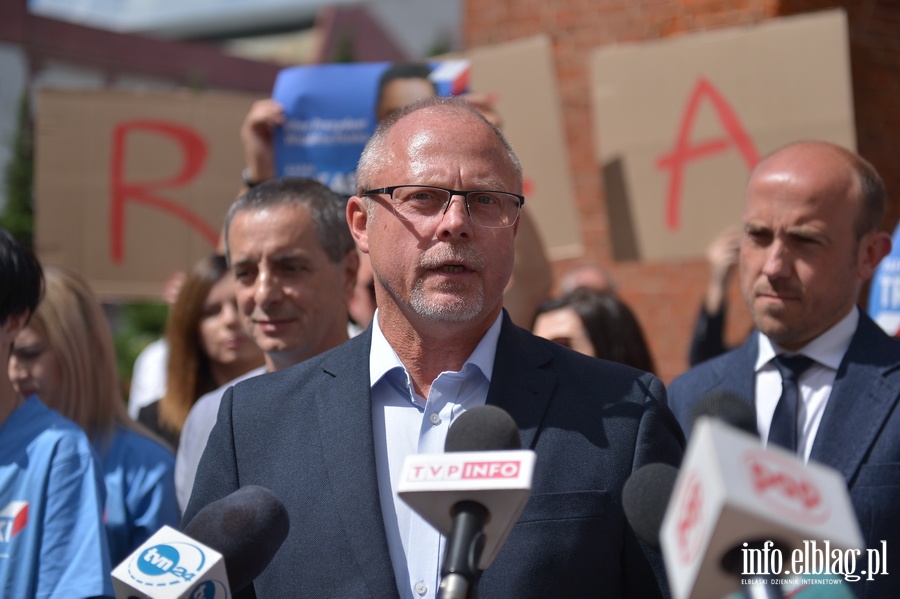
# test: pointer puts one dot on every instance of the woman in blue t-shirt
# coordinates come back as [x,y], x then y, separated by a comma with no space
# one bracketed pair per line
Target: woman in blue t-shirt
[52,542]
[65,356]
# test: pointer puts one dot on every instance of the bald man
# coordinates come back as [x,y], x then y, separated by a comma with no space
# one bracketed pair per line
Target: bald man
[811,238]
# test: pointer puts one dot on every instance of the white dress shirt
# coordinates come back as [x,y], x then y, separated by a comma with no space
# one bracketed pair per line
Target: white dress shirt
[406,423]
[194,435]
[815,384]
[148,379]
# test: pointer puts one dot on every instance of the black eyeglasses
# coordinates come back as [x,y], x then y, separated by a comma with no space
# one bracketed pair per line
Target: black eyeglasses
[424,204]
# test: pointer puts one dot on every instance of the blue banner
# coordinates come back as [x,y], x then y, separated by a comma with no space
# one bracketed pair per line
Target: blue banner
[884,293]
[330,114]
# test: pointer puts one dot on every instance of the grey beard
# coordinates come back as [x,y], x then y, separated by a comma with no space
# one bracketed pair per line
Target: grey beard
[459,310]
[453,311]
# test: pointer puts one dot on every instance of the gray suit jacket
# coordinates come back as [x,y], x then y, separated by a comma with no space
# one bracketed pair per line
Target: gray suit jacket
[859,434]
[306,433]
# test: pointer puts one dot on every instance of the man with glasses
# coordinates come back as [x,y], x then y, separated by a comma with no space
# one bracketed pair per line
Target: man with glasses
[438,202]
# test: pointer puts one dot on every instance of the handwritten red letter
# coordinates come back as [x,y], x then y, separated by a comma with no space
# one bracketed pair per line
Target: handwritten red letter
[194,150]
[684,153]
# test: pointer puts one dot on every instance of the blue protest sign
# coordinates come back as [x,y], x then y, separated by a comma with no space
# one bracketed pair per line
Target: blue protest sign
[330,114]
[884,294]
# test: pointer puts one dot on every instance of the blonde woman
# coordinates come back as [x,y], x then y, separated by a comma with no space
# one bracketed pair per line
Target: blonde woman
[65,356]
[51,490]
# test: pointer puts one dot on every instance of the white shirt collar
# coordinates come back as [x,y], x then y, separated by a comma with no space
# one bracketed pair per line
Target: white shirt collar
[383,358]
[827,349]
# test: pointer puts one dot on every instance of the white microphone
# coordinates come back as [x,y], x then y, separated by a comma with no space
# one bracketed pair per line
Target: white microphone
[738,508]
[473,494]
[225,546]
[172,565]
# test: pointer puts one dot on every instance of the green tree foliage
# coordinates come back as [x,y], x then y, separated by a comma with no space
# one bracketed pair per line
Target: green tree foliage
[18,214]
[134,324]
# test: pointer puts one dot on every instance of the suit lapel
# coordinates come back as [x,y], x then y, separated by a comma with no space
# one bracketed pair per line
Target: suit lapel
[732,372]
[737,373]
[860,400]
[518,384]
[345,421]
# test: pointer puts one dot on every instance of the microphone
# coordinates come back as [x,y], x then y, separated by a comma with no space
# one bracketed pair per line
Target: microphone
[645,497]
[247,527]
[483,428]
[647,491]
[730,408]
[739,510]
[472,494]
[223,549]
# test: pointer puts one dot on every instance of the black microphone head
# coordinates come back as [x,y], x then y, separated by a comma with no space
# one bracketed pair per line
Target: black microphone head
[247,527]
[728,407]
[645,498]
[484,428]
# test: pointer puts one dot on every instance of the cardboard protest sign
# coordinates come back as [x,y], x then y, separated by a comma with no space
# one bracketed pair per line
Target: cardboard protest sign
[131,187]
[330,114]
[521,75]
[680,123]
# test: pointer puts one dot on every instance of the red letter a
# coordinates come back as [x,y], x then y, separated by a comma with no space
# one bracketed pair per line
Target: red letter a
[684,153]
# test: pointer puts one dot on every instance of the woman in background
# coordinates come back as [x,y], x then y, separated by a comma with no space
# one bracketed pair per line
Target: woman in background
[65,356]
[207,346]
[595,323]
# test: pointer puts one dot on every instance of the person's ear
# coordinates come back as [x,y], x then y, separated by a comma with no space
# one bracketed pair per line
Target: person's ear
[358,221]
[873,247]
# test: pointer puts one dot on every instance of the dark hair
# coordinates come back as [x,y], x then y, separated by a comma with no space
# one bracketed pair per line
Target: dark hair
[326,207]
[416,70]
[610,324]
[872,195]
[189,373]
[21,278]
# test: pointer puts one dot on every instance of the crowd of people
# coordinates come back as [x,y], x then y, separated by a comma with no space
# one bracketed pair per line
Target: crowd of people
[334,337]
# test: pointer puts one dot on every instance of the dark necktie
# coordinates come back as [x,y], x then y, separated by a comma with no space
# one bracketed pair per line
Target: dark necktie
[783,430]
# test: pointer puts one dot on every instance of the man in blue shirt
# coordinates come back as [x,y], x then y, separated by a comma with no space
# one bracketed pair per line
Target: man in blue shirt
[52,540]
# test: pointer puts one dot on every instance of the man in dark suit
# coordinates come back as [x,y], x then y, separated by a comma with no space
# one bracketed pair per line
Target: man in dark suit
[329,436]
[294,266]
[812,238]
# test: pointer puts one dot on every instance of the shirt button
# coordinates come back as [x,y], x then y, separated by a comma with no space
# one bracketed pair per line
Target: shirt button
[435,419]
[421,589]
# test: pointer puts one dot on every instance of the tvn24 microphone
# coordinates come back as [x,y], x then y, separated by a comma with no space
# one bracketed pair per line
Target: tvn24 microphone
[473,493]
[222,550]
[737,507]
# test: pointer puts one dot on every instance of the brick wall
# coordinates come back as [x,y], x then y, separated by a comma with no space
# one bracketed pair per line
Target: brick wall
[665,297]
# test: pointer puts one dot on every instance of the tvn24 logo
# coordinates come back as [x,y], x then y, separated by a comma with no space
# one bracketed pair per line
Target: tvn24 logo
[174,563]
